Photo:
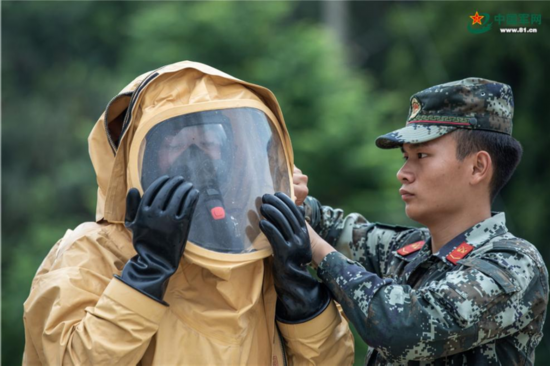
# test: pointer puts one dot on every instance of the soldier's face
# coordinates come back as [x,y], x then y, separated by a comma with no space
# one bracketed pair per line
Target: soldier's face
[434,181]
[173,146]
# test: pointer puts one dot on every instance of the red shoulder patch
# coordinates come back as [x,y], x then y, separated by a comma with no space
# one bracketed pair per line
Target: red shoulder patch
[411,248]
[459,253]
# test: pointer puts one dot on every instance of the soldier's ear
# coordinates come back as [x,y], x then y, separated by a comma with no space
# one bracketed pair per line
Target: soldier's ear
[481,168]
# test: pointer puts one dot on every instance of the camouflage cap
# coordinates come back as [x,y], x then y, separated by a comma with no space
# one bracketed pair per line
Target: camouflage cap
[472,103]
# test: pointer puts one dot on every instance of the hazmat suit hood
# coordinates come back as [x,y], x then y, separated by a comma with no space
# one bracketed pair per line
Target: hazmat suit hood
[180,106]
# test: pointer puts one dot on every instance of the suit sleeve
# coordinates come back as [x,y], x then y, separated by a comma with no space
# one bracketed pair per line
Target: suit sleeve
[487,298]
[78,314]
[324,340]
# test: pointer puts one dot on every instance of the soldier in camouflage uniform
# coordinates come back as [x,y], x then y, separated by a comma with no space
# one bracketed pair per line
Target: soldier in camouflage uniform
[462,291]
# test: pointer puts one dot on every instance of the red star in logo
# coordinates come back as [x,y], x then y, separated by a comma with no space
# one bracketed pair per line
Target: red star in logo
[477,18]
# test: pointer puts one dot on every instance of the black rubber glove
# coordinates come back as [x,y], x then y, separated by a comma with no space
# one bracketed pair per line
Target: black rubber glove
[300,296]
[160,223]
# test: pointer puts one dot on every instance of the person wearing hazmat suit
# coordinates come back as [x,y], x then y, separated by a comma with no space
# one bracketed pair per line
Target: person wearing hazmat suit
[175,269]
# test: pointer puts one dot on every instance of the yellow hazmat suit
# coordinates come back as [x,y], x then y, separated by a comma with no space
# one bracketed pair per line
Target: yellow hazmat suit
[221,305]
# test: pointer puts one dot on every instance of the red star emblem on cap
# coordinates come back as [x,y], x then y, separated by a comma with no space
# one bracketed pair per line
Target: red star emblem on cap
[477,18]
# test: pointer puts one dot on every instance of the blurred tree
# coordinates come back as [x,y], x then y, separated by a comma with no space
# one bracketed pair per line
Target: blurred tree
[56,63]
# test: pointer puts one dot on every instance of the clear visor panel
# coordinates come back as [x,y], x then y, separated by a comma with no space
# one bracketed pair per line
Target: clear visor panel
[233,157]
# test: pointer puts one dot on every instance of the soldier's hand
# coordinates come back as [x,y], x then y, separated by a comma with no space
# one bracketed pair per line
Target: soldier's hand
[300,296]
[299,180]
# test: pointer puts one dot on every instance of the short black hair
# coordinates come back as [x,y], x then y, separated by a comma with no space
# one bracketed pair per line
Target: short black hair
[505,152]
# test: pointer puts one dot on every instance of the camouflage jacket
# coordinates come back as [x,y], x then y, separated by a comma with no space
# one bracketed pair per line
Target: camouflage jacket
[480,300]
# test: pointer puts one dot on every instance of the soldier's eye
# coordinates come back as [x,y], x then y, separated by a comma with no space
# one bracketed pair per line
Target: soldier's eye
[422,155]
[174,147]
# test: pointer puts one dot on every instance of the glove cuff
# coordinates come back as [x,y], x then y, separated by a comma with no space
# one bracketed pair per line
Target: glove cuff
[147,279]
[323,300]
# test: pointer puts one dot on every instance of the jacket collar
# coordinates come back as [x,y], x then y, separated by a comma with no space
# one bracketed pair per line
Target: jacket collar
[476,236]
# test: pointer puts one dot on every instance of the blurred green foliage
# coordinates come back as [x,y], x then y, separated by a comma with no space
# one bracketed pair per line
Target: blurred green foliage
[63,61]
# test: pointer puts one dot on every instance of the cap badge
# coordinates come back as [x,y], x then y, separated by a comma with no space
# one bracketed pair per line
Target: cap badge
[415,108]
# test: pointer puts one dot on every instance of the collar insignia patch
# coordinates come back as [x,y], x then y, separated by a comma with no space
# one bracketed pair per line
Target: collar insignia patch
[411,248]
[460,252]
